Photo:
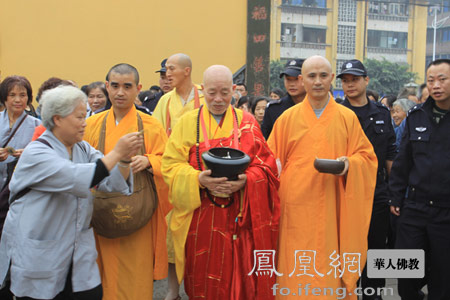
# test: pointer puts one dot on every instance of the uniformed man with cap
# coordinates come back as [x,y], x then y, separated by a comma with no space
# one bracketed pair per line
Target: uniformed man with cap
[375,120]
[421,171]
[295,94]
[150,99]
[164,83]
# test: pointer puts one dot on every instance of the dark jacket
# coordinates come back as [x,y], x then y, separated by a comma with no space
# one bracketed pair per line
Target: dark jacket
[150,99]
[422,166]
[378,128]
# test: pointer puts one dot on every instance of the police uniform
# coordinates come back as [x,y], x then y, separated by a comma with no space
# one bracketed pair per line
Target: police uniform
[150,99]
[375,120]
[274,109]
[378,128]
[421,171]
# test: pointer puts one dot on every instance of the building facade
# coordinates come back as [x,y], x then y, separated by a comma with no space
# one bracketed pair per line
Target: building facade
[345,29]
[442,42]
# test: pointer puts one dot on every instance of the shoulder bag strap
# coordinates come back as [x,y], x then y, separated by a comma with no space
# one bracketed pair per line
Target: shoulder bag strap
[14,132]
[43,141]
[141,127]
[101,139]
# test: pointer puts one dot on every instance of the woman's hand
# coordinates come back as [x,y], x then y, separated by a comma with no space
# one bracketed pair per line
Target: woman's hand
[128,145]
[18,152]
[3,154]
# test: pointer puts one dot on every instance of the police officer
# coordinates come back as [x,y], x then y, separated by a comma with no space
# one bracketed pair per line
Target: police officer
[295,94]
[375,120]
[421,171]
[150,98]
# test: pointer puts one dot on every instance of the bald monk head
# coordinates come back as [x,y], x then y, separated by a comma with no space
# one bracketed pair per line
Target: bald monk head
[317,76]
[218,88]
[179,68]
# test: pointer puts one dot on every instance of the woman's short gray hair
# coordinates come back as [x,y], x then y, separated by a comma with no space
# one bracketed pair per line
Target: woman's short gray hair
[60,101]
[405,104]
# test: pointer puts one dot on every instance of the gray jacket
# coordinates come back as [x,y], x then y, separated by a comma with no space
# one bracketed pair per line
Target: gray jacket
[21,138]
[48,230]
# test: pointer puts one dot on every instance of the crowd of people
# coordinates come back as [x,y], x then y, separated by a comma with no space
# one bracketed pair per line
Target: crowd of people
[104,188]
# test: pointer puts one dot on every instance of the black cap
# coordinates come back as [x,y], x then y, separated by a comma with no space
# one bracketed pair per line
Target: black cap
[354,67]
[163,66]
[293,68]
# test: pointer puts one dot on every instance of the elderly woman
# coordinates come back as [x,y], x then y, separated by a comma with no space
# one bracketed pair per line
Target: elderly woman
[399,111]
[47,245]
[400,108]
[16,130]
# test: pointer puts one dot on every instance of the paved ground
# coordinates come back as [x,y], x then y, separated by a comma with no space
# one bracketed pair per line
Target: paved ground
[160,288]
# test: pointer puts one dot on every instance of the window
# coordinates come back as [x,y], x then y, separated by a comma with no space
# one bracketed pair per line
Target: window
[311,3]
[387,39]
[443,35]
[288,33]
[387,8]
[314,35]
[429,35]
[374,7]
[446,6]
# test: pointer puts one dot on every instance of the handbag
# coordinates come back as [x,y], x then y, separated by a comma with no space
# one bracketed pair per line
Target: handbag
[4,193]
[117,215]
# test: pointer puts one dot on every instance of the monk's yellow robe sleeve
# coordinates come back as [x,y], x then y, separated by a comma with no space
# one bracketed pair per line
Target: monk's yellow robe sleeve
[182,180]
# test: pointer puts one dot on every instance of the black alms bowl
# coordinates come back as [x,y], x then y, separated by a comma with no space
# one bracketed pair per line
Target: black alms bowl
[226,162]
[331,166]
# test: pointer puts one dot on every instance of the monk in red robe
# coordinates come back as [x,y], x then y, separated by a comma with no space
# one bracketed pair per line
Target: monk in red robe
[324,217]
[217,223]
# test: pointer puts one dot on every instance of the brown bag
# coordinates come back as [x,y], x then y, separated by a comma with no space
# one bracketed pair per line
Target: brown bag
[116,215]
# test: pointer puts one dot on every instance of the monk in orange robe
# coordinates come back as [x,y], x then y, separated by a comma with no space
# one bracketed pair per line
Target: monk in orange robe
[218,223]
[128,265]
[324,217]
